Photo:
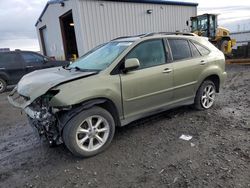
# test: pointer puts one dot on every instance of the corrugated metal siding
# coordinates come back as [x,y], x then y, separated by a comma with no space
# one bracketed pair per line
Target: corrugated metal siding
[54,35]
[241,38]
[102,21]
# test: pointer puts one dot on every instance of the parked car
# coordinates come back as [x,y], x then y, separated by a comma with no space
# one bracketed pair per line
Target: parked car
[124,80]
[15,64]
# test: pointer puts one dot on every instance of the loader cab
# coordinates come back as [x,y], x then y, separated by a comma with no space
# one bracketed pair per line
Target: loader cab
[204,25]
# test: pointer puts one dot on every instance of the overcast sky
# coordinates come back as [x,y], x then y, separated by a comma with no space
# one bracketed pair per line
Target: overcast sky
[18,17]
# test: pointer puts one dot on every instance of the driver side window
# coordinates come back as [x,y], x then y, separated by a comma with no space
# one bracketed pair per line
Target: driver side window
[32,58]
[150,53]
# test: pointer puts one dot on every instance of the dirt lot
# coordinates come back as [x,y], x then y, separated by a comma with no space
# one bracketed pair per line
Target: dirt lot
[146,153]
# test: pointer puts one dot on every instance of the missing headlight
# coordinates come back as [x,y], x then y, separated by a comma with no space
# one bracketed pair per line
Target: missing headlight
[50,94]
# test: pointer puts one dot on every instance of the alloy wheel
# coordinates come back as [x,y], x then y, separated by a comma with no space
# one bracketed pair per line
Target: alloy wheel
[92,133]
[1,86]
[208,96]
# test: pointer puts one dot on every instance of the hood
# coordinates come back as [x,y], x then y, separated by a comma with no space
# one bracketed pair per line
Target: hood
[39,82]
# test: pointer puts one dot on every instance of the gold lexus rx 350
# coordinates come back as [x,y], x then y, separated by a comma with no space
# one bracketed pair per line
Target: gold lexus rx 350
[116,83]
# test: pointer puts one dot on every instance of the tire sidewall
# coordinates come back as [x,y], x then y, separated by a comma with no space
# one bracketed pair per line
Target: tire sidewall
[70,129]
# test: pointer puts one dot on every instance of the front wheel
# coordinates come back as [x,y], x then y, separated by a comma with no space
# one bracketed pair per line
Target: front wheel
[205,95]
[3,85]
[90,132]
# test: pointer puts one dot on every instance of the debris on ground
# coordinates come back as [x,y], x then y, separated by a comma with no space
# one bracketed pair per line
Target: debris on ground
[186,137]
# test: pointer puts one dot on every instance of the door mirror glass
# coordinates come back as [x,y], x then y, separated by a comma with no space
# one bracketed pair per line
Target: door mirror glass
[131,64]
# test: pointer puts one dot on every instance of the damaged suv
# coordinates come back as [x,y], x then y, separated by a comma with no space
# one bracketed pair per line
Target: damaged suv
[116,83]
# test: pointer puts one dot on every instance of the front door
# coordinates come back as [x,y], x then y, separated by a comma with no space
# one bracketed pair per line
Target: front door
[32,61]
[150,86]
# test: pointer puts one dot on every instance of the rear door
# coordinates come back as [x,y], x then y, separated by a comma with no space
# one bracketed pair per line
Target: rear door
[148,88]
[187,68]
[11,67]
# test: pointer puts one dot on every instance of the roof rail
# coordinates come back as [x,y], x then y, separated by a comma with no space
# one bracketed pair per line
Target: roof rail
[169,33]
[130,36]
[155,33]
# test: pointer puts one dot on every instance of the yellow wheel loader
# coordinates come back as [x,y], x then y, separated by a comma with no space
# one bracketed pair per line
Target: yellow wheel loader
[206,25]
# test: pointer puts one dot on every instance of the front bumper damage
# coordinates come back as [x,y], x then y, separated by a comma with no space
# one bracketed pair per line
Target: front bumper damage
[18,100]
[34,93]
[40,115]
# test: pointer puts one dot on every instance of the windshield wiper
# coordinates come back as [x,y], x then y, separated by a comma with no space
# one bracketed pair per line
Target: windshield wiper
[79,69]
[70,68]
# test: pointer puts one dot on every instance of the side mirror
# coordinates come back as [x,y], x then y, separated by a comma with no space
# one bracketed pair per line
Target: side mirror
[131,64]
[45,59]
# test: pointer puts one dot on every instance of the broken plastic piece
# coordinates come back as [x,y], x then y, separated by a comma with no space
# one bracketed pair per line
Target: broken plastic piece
[186,137]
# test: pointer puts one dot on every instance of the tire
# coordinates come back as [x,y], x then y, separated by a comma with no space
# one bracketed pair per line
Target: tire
[206,92]
[78,130]
[3,85]
[222,46]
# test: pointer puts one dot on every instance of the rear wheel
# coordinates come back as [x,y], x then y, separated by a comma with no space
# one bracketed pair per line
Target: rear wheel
[205,96]
[3,85]
[89,132]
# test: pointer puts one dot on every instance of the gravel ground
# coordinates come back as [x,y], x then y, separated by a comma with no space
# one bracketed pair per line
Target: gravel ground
[146,153]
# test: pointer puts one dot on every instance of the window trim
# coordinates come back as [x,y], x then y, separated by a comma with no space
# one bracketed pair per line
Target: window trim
[193,41]
[118,69]
[168,49]
[189,43]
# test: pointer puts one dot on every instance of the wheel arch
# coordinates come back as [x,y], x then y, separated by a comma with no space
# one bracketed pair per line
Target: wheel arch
[65,116]
[215,79]
[4,76]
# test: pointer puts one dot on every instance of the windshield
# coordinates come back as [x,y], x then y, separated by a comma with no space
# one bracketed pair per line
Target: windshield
[101,57]
[200,23]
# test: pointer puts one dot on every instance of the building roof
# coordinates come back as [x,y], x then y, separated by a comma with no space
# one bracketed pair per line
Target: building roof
[45,8]
[165,2]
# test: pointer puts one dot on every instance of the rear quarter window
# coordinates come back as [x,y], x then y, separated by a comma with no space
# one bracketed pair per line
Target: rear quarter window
[194,50]
[203,50]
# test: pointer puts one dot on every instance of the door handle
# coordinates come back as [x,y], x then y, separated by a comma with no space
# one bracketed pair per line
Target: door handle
[203,62]
[29,66]
[167,70]
[1,68]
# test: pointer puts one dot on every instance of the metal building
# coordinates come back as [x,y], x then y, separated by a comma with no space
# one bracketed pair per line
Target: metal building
[72,27]
[242,38]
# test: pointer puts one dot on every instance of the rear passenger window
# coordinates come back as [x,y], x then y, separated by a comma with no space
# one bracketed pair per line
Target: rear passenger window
[195,52]
[180,49]
[8,58]
[202,50]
